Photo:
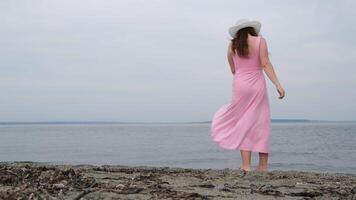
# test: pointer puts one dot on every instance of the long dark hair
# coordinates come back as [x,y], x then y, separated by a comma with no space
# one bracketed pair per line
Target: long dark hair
[239,42]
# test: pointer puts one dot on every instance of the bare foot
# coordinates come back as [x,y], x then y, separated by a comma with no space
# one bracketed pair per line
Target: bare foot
[261,168]
[245,169]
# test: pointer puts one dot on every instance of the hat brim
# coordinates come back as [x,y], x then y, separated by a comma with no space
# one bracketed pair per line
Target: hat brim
[254,24]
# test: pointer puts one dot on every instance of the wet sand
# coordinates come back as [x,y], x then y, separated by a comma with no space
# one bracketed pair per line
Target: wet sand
[28,180]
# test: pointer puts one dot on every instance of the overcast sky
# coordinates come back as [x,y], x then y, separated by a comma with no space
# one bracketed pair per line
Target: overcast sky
[165,60]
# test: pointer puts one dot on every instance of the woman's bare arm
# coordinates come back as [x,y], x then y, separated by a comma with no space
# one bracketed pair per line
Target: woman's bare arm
[229,58]
[268,67]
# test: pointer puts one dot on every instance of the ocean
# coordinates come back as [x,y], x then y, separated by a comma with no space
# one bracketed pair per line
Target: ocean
[320,147]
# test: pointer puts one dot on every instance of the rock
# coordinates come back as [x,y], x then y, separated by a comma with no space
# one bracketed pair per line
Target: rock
[353,190]
[207,185]
[269,190]
[59,185]
[120,186]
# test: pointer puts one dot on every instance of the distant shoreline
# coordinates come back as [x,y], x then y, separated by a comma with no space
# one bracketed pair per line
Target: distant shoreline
[198,122]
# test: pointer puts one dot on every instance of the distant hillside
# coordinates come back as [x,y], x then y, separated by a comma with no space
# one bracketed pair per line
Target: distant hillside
[198,122]
[293,121]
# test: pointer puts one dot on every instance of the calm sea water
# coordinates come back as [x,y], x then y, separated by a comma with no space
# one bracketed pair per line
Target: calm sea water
[326,147]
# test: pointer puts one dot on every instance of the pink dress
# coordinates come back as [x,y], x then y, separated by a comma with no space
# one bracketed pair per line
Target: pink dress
[245,123]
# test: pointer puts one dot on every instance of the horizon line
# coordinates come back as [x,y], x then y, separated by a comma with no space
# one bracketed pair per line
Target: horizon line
[153,122]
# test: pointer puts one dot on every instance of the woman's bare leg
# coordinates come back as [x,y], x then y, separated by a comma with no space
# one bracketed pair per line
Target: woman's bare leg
[246,160]
[262,165]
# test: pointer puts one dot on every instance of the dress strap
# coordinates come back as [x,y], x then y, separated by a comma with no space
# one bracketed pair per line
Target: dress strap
[257,47]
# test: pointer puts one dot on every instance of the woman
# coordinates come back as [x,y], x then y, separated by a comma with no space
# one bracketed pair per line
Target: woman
[245,123]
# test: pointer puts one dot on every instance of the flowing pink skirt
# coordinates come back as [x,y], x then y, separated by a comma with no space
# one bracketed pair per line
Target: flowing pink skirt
[245,123]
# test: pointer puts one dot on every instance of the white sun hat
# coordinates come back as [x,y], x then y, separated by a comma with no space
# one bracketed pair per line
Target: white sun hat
[243,23]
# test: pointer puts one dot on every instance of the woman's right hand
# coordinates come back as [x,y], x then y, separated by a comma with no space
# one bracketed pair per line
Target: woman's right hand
[280,91]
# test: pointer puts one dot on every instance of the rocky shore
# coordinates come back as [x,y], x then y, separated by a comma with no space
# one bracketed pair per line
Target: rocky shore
[27,180]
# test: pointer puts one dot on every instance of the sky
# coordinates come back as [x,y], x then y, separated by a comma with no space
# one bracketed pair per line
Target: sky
[165,60]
